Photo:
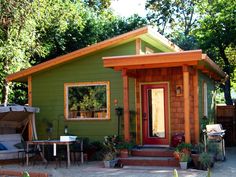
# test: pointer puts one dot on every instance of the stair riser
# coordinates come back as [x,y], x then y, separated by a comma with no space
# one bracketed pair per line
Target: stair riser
[152,153]
[149,163]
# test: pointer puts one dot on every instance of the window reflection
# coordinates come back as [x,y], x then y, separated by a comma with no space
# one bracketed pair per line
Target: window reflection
[87,100]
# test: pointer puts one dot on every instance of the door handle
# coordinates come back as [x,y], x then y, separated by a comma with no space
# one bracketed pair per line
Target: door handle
[144,116]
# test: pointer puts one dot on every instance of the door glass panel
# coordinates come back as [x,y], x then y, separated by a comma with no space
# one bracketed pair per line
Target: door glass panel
[156,111]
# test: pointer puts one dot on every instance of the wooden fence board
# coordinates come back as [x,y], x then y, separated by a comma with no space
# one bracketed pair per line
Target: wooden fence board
[226,115]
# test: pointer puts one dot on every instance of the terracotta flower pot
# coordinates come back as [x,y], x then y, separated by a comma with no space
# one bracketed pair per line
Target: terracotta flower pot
[124,153]
[195,158]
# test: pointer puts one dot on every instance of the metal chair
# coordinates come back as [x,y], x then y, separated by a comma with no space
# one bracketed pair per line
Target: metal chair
[77,151]
[33,153]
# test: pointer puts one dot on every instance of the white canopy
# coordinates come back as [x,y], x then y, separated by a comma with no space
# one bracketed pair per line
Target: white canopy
[15,116]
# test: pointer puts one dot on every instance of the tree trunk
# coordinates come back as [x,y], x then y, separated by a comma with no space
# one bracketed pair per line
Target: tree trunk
[227,85]
[5,86]
[5,91]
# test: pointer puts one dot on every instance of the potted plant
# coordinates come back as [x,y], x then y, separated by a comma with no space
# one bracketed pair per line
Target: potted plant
[110,151]
[205,160]
[89,105]
[195,153]
[124,148]
[182,148]
[109,160]
[184,159]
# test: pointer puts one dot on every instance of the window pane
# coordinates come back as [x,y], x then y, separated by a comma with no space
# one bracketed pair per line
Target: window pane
[87,101]
[156,113]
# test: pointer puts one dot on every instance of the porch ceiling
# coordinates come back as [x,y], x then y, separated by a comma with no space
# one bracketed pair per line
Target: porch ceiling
[168,59]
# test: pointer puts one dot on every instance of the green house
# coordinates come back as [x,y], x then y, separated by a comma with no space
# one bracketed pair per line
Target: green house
[161,90]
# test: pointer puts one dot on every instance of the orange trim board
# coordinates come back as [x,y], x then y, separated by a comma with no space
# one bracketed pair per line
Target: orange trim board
[156,58]
[168,59]
[95,47]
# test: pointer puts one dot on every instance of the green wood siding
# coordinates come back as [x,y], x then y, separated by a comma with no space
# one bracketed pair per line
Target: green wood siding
[210,95]
[48,94]
[145,44]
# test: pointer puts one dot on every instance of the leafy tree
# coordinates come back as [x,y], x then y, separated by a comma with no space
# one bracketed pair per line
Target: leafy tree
[50,29]
[217,36]
[16,38]
[206,24]
[22,25]
[172,15]
[98,5]
[175,19]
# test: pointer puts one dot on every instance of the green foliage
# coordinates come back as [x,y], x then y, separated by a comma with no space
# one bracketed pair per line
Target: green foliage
[184,146]
[125,145]
[110,150]
[110,143]
[192,24]
[216,34]
[175,15]
[212,147]
[198,148]
[91,102]
[175,173]
[32,32]
[184,157]
[205,159]
[208,172]
[203,122]
[23,25]
[25,174]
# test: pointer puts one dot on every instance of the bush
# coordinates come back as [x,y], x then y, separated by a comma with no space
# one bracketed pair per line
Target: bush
[205,160]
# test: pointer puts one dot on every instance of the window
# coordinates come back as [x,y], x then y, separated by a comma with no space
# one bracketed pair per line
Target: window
[205,106]
[87,100]
[148,50]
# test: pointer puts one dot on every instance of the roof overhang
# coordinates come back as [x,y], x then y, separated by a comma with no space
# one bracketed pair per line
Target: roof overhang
[169,59]
[146,33]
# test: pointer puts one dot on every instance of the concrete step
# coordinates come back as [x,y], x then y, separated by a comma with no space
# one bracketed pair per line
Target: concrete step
[152,152]
[149,161]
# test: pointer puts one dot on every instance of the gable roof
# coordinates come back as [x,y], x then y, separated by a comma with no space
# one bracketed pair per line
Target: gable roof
[146,33]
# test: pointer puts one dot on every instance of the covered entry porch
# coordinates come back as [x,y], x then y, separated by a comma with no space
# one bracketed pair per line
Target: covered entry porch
[174,77]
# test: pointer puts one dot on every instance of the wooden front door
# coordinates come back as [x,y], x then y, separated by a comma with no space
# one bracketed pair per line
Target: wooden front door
[155,114]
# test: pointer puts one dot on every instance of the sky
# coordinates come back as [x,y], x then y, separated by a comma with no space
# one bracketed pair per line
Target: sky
[126,8]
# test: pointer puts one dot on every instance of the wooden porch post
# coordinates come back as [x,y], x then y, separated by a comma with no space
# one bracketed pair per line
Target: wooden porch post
[126,104]
[186,105]
[30,129]
[196,113]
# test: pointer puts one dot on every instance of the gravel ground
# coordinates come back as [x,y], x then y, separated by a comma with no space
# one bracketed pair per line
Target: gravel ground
[96,169]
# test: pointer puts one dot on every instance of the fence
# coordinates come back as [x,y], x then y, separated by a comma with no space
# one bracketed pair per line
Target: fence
[226,115]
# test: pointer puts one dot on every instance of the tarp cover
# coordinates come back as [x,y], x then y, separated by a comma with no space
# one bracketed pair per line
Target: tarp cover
[15,116]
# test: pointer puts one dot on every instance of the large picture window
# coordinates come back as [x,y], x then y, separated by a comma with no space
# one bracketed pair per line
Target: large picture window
[87,100]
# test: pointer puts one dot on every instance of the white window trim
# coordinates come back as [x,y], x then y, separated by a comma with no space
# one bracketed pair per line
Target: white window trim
[67,85]
[205,100]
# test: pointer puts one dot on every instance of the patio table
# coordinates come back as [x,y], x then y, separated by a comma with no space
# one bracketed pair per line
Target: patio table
[54,143]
